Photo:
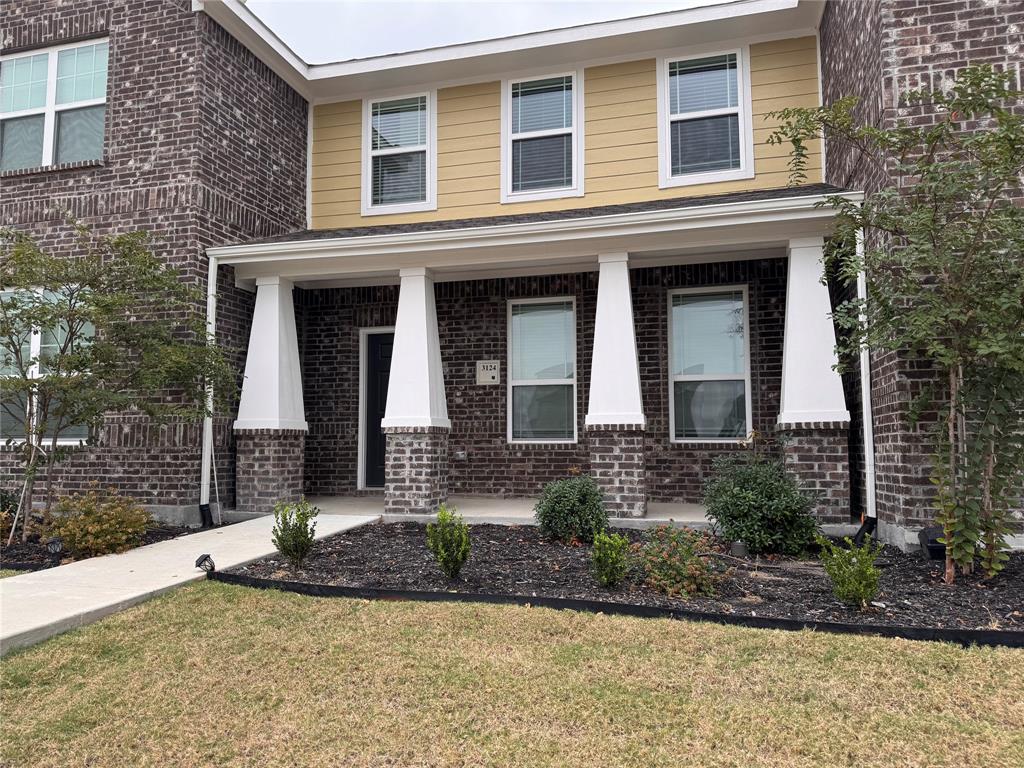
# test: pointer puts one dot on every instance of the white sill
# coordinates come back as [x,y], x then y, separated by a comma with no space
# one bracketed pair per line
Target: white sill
[709,177]
[543,442]
[540,194]
[706,440]
[383,210]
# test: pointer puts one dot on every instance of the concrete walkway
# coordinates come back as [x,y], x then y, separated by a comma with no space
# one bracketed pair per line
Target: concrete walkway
[35,606]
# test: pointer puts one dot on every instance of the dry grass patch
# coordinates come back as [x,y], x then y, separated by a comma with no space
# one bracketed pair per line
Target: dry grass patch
[226,676]
[5,572]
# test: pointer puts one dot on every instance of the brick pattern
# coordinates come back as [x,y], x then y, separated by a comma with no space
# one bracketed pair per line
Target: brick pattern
[184,101]
[270,465]
[880,51]
[617,464]
[415,470]
[818,455]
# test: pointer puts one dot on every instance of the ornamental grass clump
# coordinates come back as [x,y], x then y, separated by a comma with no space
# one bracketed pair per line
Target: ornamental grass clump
[677,562]
[754,500]
[448,539]
[609,558]
[571,510]
[851,569]
[294,530]
[98,522]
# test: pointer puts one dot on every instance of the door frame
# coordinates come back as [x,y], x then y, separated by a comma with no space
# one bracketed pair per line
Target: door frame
[364,333]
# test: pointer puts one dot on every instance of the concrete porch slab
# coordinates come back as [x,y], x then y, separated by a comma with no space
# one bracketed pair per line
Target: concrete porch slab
[35,606]
[499,511]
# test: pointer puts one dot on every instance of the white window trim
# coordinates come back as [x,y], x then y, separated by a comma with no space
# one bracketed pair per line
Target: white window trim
[430,203]
[51,108]
[744,108]
[745,377]
[527,382]
[35,346]
[576,189]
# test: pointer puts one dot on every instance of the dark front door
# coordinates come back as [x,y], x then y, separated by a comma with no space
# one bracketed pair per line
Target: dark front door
[378,368]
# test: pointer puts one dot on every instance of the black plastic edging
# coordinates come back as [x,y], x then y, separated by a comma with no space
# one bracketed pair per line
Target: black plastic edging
[965,637]
[23,566]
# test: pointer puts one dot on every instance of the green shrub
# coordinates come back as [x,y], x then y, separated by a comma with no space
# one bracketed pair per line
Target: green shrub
[851,569]
[755,501]
[609,558]
[571,510]
[676,562]
[448,539]
[98,523]
[294,529]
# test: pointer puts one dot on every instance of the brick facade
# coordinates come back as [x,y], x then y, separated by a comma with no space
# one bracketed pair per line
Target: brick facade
[415,470]
[180,91]
[818,456]
[270,465]
[880,51]
[617,465]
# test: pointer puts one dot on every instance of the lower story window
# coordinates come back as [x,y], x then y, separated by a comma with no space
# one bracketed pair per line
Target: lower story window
[709,366]
[542,370]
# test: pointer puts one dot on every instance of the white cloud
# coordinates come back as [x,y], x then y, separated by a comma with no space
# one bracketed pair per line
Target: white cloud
[336,30]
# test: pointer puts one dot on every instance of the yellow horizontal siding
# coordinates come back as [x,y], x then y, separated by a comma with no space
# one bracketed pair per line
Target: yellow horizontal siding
[621,142]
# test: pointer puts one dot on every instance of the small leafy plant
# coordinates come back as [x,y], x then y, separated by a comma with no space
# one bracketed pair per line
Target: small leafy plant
[98,522]
[676,562]
[851,569]
[756,501]
[609,558]
[448,539]
[571,510]
[294,530]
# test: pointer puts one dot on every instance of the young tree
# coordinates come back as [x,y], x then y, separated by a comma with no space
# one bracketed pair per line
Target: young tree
[943,258]
[108,328]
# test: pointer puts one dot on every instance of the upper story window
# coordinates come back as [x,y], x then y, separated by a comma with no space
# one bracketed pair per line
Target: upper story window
[53,106]
[542,371]
[399,155]
[704,119]
[709,364]
[541,146]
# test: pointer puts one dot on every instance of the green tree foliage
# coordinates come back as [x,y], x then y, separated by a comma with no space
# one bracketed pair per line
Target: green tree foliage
[851,569]
[571,509]
[448,539]
[294,530]
[610,558]
[942,256]
[107,328]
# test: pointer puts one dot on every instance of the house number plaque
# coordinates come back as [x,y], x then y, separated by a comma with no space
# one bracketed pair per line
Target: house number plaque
[487,371]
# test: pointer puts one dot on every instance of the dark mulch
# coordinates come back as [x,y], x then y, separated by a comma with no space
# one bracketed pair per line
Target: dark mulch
[517,560]
[34,554]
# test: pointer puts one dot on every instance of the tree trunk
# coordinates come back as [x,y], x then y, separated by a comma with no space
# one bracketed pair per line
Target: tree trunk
[950,575]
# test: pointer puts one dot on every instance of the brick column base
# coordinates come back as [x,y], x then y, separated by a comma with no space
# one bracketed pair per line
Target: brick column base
[617,464]
[268,468]
[415,469]
[818,454]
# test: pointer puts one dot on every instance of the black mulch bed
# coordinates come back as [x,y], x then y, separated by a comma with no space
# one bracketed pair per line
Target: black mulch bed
[33,555]
[516,560]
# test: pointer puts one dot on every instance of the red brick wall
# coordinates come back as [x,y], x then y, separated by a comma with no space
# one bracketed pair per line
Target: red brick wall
[184,105]
[472,323]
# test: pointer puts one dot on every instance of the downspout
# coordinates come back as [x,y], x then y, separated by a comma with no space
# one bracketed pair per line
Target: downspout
[867,414]
[211,331]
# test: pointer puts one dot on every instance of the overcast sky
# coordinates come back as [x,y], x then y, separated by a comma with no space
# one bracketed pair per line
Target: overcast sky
[335,30]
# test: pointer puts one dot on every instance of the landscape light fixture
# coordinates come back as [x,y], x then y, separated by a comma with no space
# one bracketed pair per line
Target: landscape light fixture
[55,545]
[206,563]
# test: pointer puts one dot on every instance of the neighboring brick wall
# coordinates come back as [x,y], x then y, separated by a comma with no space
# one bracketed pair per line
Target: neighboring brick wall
[415,470]
[472,324]
[880,51]
[270,465]
[185,106]
[617,464]
[817,454]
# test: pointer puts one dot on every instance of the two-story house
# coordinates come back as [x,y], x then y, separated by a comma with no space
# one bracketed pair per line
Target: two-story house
[474,268]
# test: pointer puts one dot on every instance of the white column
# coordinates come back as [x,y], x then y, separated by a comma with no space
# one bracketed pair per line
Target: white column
[272,389]
[614,371]
[416,393]
[811,387]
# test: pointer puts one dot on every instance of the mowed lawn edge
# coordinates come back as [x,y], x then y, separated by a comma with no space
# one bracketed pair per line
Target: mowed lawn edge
[214,674]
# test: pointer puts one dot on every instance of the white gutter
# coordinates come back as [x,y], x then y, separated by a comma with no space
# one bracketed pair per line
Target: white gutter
[867,414]
[211,331]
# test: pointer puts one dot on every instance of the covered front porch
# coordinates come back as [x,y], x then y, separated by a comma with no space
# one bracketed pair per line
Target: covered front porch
[398,370]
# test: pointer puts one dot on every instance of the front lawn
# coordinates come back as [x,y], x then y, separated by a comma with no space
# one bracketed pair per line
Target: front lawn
[220,675]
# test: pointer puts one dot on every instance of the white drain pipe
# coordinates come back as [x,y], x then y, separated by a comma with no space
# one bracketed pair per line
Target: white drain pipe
[211,330]
[867,415]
